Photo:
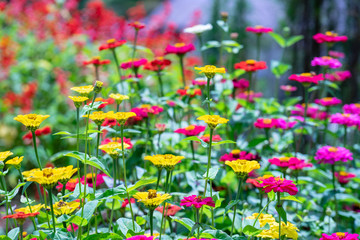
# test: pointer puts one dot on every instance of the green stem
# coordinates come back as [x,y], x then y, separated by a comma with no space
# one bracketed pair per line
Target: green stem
[181,60]
[279,205]
[201,45]
[114,185]
[209,160]
[21,232]
[27,199]
[151,216]
[248,92]
[345,135]
[35,148]
[198,222]
[160,83]
[208,95]
[134,47]
[235,207]
[258,41]
[52,209]
[158,179]
[334,187]
[118,70]
[163,213]
[192,149]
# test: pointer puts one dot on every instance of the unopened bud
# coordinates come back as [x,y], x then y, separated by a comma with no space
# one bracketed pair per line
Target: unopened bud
[245,205]
[98,86]
[59,195]
[328,212]
[234,35]
[224,16]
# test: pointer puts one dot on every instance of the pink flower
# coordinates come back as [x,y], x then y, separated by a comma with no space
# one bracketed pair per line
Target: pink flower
[307,78]
[328,101]
[69,228]
[252,96]
[171,103]
[283,124]
[338,76]
[238,154]
[206,138]
[344,177]
[89,179]
[140,237]
[278,184]
[353,108]
[265,123]
[169,210]
[200,239]
[258,29]
[240,83]
[329,37]
[126,202]
[111,44]
[179,48]
[199,82]
[145,110]
[197,201]
[335,54]
[326,61]
[191,130]
[312,112]
[284,162]
[340,236]
[161,127]
[126,140]
[288,88]
[136,63]
[300,165]
[345,119]
[330,155]
[131,76]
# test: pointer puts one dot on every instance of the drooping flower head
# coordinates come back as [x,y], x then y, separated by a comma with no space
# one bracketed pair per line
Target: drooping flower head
[191,130]
[344,177]
[118,97]
[206,138]
[26,210]
[340,236]
[137,25]
[331,155]
[258,29]
[170,209]
[197,201]
[151,199]
[158,64]
[238,154]
[307,78]
[250,65]
[288,88]
[345,119]
[112,44]
[96,61]
[83,90]
[328,101]
[329,37]
[210,70]
[179,48]
[31,121]
[61,207]
[326,61]
[242,168]
[78,100]
[213,120]
[167,161]
[278,184]
[198,29]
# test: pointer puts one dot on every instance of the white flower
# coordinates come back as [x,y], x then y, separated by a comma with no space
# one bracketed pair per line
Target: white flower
[197,29]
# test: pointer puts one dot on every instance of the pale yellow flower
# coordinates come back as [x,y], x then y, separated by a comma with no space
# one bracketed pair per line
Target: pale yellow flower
[121,117]
[243,167]
[83,90]
[67,208]
[167,161]
[31,121]
[118,97]
[151,199]
[210,70]
[98,117]
[213,120]
[5,155]
[112,148]
[78,100]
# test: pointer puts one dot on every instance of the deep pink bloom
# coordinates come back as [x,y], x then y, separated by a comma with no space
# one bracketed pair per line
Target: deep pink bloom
[126,140]
[199,82]
[140,237]
[126,202]
[288,88]
[344,177]
[326,61]
[137,25]
[99,179]
[312,112]
[329,37]
[131,76]
[328,101]
[258,29]
[96,61]
[197,201]
[278,184]
[265,123]
[200,239]
[307,78]
[330,155]
[169,210]
[69,228]
[353,108]
[335,54]
[179,48]
[240,83]
[345,119]
[206,138]
[136,63]
[340,236]
[171,103]
[283,124]
[338,76]
[145,110]
[284,162]
[192,130]
[238,154]
[300,165]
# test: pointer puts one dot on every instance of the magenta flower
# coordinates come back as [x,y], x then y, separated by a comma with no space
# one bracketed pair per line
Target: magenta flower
[278,184]
[258,29]
[200,239]
[89,179]
[344,177]
[329,37]
[326,61]
[197,201]
[206,138]
[145,110]
[199,82]
[335,54]
[328,101]
[312,112]
[306,78]
[265,123]
[288,88]
[179,48]
[300,165]
[240,83]
[338,76]
[330,155]
[284,162]
[140,237]
[283,124]
[340,236]
[191,130]
[345,119]
[353,108]
[238,154]
[136,63]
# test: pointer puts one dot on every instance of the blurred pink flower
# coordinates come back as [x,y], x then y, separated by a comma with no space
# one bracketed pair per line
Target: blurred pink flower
[288,88]
[240,83]
[330,155]
[340,236]
[278,184]
[328,101]
[191,130]
[136,63]
[329,37]
[306,78]
[238,154]
[353,108]
[338,76]
[258,29]
[335,54]
[344,177]
[197,201]
[206,138]
[346,119]
[326,61]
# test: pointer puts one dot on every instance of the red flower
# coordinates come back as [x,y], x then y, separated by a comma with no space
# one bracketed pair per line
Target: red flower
[307,78]
[344,177]
[197,201]
[169,210]
[136,63]
[250,65]
[329,37]
[126,140]
[21,215]
[126,202]
[206,138]
[278,184]
[145,110]
[158,64]
[137,25]
[191,130]
[111,44]
[96,61]
[179,48]
[70,185]
[106,102]
[187,91]
[258,29]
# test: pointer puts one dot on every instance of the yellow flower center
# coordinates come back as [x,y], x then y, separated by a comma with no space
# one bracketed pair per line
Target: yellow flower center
[332,149]
[326,58]
[61,203]
[168,156]
[306,74]
[267,120]
[340,235]
[327,99]
[236,152]
[96,58]
[189,128]
[111,40]
[331,34]
[31,116]
[357,105]
[145,106]
[179,44]
[250,62]
[346,115]
[284,159]
[47,173]
[342,173]
[152,194]
[258,26]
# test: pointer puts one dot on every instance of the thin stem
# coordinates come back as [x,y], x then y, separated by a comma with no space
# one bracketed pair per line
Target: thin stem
[235,207]
[134,47]
[208,95]
[334,187]
[248,92]
[345,135]
[114,185]
[160,83]
[27,199]
[158,179]
[52,209]
[151,214]
[209,160]
[35,148]
[201,45]
[181,61]
[118,69]
[198,222]
[279,205]
[192,149]
[163,213]
[21,232]
[258,41]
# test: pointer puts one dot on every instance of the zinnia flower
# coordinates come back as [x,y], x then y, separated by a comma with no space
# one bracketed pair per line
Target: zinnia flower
[15,161]
[335,54]
[191,130]
[26,210]
[127,142]
[170,209]
[99,178]
[344,177]
[61,207]
[112,148]
[210,70]
[326,61]
[179,48]
[249,95]
[151,199]
[197,29]
[250,65]
[266,123]
[31,121]
[213,120]
[329,37]
[98,117]
[20,216]
[199,82]
[121,117]
[345,119]
[240,83]
[83,90]
[206,138]
[78,100]
[137,25]
[243,167]
[330,155]
[258,29]
[70,185]
[238,154]
[289,162]
[257,181]
[328,101]
[134,63]
[126,202]
[140,237]
[197,201]
[340,236]
[158,64]
[5,155]
[167,161]
[96,61]
[353,108]
[306,78]
[118,97]
[146,110]
[112,44]
[48,177]
[278,184]
[288,88]
[338,76]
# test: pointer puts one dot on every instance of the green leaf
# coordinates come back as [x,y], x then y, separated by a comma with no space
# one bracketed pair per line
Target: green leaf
[230,43]
[292,101]
[93,161]
[230,205]
[279,69]
[224,26]
[63,133]
[222,142]
[186,222]
[109,193]
[14,233]
[251,231]
[282,213]
[210,44]
[58,155]
[218,234]
[103,236]
[294,39]
[89,210]
[193,138]
[3,237]
[256,141]
[291,198]
[125,224]
[271,195]
[141,182]
[212,173]
[279,39]
[331,84]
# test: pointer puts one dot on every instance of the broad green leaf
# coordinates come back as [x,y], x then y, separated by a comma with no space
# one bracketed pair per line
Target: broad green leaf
[141,182]
[14,233]
[291,198]
[294,39]
[109,193]
[222,142]
[279,39]
[256,141]
[271,195]
[218,234]
[279,68]
[282,213]
[212,173]
[186,222]
[251,231]
[224,26]
[103,236]
[93,161]
[292,101]
[125,224]
[193,138]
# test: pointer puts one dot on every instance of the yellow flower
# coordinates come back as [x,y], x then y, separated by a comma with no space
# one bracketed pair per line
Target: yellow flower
[48,177]
[263,218]
[83,90]
[151,199]
[289,230]
[5,155]
[68,172]
[118,97]
[67,208]
[210,70]
[167,161]
[31,121]
[15,161]
[213,120]
[98,117]
[34,209]
[243,167]
[98,86]
[121,117]
[111,148]
[78,100]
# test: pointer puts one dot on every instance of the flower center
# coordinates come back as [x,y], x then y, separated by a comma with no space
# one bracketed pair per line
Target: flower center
[179,44]
[168,156]
[96,58]
[346,115]
[342,173]
[151,194]
[250,62]
[332,149]
[284,159]
[61,203]
[145,106]
[327,99]
[267,121]
[357,105]
[32,116]
[306,74]
[258,27]
[236,152]
[331,34]
[189,128]
[326,58]
[340,235]
[111,40]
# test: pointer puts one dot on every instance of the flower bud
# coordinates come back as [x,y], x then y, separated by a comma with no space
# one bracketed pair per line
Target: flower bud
[2,165]
[245,205]
[98,86]
[286,31]
[224,16]
[328,212]
[234,35]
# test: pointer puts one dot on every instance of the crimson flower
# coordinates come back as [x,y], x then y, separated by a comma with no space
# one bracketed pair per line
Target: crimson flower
[344,177]
[329,37]
[191,130]
[197,201]
[157,64]
[258,29]
[170,210]
[111,44]
[187,91]
[250,65]
[136,63]
[137,25]
[126,202]
[96,61]
[206,138]
[307,78]
[238,154]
